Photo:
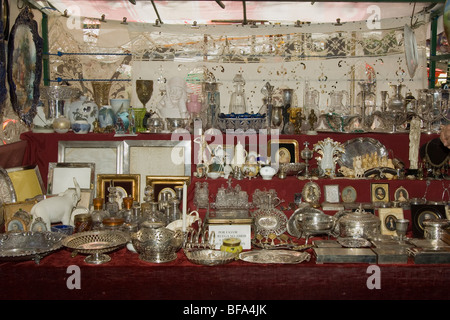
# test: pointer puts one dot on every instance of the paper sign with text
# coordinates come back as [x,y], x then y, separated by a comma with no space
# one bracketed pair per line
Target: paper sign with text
[240,231]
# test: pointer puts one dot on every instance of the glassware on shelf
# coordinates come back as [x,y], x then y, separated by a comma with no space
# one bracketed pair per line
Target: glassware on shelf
[174,210]
[337,102]
[101,92]
[144,90]
[98,214]
[367,99]
[311,102]
[237,100]
[396,101]
[267,108]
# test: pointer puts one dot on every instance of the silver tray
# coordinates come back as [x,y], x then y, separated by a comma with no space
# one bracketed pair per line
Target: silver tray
[274,256]
[7,191]
[96,244]
[269,221]
[21,246]
[358,147]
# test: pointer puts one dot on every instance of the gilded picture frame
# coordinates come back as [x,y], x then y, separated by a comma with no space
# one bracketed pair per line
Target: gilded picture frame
[160,183]
[380,192]
[283,151]
[401,195]
[348,194]
[129,183]
[9,209]
[16,225]
[388,218]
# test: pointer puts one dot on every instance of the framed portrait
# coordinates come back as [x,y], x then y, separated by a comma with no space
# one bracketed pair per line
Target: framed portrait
[60,176]
[331,193]
[156,157]
[27,182]
[388,218]
[380,192]
[128,185]
[15,225]
[165,183]
[107,156]
[10,209]
[421,212]
[283,151]
[311,192]
[401,194]
[348,194]
[38,225]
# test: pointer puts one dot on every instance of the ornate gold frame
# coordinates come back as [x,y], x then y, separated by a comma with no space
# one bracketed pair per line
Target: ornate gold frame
[130,182]
[161,182]
[290,144]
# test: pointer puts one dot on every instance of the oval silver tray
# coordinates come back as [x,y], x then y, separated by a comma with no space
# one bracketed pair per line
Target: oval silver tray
[269,221]
[20,246]
[358,147]
[274,256]
[208,257]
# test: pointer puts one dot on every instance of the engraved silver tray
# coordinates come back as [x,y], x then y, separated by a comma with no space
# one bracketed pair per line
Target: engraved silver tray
[274,256]
[95,244]
[20,246]
[358,147]
[208,257]
[269,221]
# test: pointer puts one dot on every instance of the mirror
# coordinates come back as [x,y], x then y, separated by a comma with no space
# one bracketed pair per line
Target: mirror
[24,66]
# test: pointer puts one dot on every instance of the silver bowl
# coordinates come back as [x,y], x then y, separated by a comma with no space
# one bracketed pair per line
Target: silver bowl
[20,246]
[208,257]
[289,169]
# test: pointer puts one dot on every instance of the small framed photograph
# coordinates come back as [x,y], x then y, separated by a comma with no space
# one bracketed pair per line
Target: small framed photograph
[128,185]
[380,192]
[283,151]
[388,218]
[165,184]
[348,194]
[331,193]
[16,225]
[401,195]
[38,225]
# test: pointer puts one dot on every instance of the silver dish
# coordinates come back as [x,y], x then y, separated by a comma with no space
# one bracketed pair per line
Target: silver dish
[269,221]
[95,244]
[358,147]
[292,226]
[274,256]
[208,257]
[20,246]
[290,169]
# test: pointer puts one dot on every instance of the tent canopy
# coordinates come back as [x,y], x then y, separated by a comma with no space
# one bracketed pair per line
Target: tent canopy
[219,12]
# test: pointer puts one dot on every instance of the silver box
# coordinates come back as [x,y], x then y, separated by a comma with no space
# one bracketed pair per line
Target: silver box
[345,255]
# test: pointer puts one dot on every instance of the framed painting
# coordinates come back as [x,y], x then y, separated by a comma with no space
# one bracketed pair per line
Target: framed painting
[16,225]
[331,193]
[283,151]
[380,192]
[10,209]
[128,185]
[165,183]
[106,155]
[401,194]
[388,218]
[60,176]
[24,65]
[156,157]
[348,194]
[27,182]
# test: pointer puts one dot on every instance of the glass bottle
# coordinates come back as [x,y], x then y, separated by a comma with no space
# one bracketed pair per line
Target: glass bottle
[367,99]
[237,101]
[152,213]
[174,210]
[112,206]
[127,212]
[98,214]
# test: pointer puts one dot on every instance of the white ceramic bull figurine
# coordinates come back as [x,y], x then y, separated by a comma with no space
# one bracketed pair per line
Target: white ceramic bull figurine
[58,208]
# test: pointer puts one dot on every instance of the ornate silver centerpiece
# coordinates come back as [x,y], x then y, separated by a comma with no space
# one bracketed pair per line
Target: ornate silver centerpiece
[156,243]
[244,121]
[29,245]
[359,224]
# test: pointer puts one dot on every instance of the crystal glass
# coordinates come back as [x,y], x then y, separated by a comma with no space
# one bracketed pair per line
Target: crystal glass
[101,92]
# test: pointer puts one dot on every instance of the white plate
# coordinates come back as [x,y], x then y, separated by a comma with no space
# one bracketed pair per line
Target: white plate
[411,52]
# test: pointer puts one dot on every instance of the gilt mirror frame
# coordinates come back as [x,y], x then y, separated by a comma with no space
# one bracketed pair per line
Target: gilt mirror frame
[25,47]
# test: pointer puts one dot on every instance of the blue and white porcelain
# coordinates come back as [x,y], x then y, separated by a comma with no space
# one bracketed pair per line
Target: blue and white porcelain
[83,109]
[81,126]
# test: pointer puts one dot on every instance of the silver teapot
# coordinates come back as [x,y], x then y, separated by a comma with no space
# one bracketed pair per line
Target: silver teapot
[156,243]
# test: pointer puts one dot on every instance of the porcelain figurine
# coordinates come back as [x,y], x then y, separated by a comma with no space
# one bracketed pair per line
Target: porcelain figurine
[173,103]
[329,151]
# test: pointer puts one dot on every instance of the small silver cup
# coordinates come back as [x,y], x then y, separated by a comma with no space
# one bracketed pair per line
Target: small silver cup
[401,226]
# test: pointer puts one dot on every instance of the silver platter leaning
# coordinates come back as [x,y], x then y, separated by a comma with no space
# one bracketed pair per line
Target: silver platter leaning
[95,244]
[269,221]
[28,245]
[358,147]
[274,256]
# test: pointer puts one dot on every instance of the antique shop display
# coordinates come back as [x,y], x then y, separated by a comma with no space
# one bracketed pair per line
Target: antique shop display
[95,244]
[29,245]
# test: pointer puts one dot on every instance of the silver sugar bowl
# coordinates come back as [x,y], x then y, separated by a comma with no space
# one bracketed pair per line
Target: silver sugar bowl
[359,224]
[156,243]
